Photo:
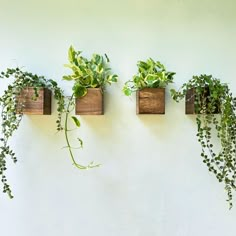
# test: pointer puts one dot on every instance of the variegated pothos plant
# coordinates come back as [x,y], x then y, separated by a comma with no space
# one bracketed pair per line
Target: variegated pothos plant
[86,73]
[151,74]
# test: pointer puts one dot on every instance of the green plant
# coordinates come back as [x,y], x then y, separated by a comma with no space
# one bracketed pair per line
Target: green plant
[210,96]
[10,120]
[151,74]
[93,73]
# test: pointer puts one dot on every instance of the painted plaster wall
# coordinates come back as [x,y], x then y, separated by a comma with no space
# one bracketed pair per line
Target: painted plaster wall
[152,180]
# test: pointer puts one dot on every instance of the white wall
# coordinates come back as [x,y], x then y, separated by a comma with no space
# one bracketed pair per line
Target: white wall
[152,180]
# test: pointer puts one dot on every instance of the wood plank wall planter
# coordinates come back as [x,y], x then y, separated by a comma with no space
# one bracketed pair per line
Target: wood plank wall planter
[150,101]
[91,103]
[190,99]
[42,106]
[189,102]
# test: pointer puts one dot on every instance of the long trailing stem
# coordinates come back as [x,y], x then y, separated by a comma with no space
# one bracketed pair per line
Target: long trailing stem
[206,126]
[7,132]
[12,112]
[213,97]
[66,130]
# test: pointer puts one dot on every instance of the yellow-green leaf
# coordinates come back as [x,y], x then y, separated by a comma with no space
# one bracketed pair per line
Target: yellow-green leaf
[76,121]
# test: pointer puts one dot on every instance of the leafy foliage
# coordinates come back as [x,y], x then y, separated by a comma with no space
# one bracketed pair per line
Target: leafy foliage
[210,96]
[10,120]
[93,73]
[151,74]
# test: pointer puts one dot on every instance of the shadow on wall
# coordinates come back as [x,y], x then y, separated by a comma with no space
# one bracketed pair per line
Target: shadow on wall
[168,124]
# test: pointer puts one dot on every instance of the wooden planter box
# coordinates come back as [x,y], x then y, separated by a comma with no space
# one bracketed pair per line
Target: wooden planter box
[91,103]
[150,101]
[190,100]
[42,106]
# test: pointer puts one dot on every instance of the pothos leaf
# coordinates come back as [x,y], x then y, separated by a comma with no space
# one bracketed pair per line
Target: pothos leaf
[127,91]
[67,77]
[79,91]
[76,121]
[71,54]
[112,78]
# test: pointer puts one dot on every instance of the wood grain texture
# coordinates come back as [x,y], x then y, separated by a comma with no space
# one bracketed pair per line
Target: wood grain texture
[190,100]
[91,103]
[42,106]
[150,101]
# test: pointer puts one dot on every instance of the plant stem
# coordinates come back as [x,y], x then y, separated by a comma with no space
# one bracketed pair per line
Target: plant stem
[71,100]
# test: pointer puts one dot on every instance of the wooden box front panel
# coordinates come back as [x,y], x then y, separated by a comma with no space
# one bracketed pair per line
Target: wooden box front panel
[150,101]
[91,103]
[41,106]
[190,100]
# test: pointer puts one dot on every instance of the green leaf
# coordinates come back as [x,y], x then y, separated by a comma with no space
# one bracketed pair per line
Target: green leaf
[79,91]
[67,77]
[97,59]
[112,78]
[142,65]
[76,121]
[127,91]
[100,69]
[53,83]
[159,65]
[71,54]
[151,79]
[137,79]
[107,58]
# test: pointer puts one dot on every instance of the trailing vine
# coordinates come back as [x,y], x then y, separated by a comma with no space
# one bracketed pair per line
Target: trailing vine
[69,108]
[211,97]
[86,73]
[10,119]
